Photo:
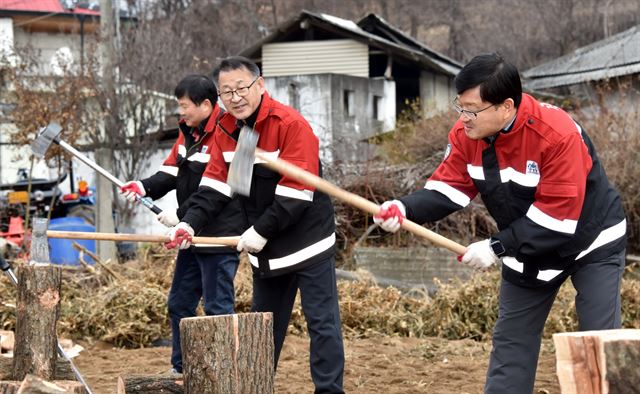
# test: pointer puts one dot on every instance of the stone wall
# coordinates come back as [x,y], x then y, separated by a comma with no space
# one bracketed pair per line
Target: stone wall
[413,266]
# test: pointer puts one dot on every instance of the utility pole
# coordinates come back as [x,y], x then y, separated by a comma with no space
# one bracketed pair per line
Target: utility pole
[104,155]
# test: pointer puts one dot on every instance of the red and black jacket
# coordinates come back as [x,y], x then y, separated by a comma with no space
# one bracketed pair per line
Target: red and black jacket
[297,220]
[543,184]
[182,171]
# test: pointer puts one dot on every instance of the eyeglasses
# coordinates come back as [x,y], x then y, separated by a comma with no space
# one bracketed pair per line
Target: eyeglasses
[472,115]
[241,92]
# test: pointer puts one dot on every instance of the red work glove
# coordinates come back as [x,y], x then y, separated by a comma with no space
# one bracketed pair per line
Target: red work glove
[181,235]
[130,189]
[390,216]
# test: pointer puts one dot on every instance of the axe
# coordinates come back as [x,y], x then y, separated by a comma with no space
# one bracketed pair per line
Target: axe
[241,170]
[51,133]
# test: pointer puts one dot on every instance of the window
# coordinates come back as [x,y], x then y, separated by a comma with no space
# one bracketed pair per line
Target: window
[377,107]
[349,103]
[294,96]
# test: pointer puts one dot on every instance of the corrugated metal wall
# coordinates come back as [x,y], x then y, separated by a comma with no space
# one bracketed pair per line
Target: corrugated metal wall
[348,57]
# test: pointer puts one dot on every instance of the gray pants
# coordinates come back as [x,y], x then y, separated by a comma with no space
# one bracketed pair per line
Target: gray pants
[523,312]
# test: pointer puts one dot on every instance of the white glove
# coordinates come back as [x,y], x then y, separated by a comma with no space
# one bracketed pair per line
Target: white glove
[180,235]
[479,255]
[391,215]
[251,241]
[130,189]
[168,217]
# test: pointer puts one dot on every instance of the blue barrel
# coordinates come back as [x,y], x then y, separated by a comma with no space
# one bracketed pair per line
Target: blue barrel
[61,251]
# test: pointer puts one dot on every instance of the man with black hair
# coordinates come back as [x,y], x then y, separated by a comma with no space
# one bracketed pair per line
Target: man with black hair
[558,216]
[201,271]
[291,238]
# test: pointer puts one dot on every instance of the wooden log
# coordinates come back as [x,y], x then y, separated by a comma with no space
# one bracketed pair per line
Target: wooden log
[228,353]
[622,358]
[63,369]
[9,386]
[67,386]
[37,311]
[154,384]
[35,385]
[598,362]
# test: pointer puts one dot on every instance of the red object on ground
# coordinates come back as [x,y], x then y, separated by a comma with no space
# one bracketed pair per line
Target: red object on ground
[15,233]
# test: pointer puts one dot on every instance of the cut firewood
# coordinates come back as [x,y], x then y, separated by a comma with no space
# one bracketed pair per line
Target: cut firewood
[63,369]
[7,340]
[598,362]
[141,384]
[35,385]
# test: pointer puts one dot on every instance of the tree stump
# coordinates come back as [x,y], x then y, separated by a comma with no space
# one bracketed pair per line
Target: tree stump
[37,310]
[153,384]
[228,353]
[598,362]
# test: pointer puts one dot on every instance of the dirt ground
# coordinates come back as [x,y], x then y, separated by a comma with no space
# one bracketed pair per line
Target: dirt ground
[375,365]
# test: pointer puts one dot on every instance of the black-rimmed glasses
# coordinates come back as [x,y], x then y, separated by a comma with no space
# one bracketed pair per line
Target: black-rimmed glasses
[473,115]
[241,92]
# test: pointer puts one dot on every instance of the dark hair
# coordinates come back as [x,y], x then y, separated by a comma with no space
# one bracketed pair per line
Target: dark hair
[235,63]
[197,88]
[497,78]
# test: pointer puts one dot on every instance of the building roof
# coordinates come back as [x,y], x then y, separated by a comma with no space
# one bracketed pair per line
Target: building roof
[615,56]
[374,24]
[393,41]
[43,7]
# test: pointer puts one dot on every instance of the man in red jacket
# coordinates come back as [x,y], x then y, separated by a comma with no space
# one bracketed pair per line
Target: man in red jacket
[291,238]
[557,214]
[201,271]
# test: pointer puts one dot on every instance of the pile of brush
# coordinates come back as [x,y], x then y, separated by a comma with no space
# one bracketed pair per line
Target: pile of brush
[125,304]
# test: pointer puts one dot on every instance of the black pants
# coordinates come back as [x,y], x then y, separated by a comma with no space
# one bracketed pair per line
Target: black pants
[200,275]
[319,298]
[523,312]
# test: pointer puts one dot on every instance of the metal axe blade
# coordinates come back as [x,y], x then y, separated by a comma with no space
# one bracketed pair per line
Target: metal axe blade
[46,136]
[50,133]
[241,167]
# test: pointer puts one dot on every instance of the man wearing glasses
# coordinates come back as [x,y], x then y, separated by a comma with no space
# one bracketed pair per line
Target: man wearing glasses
[558,216]
[291,236]
[201,271]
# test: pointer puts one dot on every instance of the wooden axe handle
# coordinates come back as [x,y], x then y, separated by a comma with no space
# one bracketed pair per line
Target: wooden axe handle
[215,241]
[289,170]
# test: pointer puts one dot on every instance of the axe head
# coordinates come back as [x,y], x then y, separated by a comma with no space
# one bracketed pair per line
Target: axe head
[46,136]
[241,167]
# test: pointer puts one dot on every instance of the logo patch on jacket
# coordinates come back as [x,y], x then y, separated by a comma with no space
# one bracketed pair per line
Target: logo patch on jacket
[532,167]
[447,152]
[204,149]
